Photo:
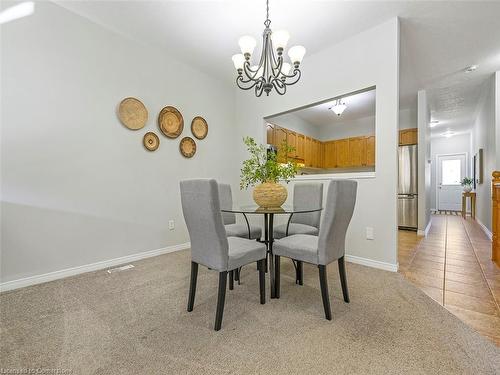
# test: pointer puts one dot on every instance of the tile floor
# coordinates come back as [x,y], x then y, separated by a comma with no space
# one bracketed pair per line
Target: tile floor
[452,265]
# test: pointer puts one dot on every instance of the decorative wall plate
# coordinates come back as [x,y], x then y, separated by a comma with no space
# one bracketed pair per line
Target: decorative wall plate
[199,127]
[170,122]
[132,113]
[187,147]
[151,141]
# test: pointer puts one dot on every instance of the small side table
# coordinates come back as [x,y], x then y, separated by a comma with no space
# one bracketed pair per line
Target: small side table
[472,196]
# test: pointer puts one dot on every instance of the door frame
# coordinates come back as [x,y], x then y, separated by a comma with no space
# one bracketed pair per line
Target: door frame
[437,168]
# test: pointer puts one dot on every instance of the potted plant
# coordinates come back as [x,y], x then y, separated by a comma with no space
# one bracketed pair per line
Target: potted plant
[467,184]
[263,171]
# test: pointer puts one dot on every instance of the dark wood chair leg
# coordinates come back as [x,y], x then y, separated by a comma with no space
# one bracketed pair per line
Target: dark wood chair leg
[237,275]
[299,273]
[262,281]
[192,285]
[323,281]
[231,280]
[277,269]
[220,300]
[343,279]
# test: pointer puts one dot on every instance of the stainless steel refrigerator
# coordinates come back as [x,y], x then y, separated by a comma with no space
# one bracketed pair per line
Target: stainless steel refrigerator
[407,187]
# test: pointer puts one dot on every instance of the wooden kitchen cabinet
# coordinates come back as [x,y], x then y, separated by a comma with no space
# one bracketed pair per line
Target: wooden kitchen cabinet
[308,151]
[342,152]
[408,137]
[300,144]
[280,138]
[292,142]
[357,151]
[270,134]
[330,158]
[370,151]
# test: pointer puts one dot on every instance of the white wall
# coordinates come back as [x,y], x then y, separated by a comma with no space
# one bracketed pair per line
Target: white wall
[367,59]
[424,162]
[484,135]
[460,143]
[77,186]
[408,118]
[346,129]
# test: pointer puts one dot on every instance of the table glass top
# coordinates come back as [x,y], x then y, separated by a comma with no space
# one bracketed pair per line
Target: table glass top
[285,209]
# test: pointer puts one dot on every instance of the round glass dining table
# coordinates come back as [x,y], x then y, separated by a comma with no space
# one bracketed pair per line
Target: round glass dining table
[269,226]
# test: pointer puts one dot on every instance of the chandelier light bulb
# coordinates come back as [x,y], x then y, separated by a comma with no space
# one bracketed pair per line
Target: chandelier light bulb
[238,61]
[286,68]
[280,39]
[296,54]
[247,45]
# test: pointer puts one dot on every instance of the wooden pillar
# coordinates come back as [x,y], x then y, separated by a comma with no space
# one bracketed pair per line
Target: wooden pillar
[495,222]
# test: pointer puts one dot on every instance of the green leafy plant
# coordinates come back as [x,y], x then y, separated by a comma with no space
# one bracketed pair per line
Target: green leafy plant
[467,181]
[264,167]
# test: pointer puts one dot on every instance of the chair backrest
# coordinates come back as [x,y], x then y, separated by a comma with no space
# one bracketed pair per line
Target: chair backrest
[201,208]
[307,195]
[339,207]
[226,201]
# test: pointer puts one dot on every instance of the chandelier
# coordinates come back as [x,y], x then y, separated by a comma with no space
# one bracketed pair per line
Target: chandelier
[272,71]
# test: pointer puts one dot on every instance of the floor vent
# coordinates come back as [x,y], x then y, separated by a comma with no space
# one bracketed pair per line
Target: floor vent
[122,268]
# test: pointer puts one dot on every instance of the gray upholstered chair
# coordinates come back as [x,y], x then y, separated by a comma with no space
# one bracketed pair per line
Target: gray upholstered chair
[305,195]
[232,229]
[209,244]
[329,245]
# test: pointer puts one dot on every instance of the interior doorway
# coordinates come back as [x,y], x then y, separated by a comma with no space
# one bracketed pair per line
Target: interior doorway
[451,169]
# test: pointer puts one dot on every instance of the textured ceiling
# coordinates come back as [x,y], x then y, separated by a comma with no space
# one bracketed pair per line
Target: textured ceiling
[438,39]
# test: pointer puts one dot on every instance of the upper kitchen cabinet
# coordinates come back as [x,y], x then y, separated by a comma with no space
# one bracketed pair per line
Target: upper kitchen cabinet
[357,151]
[300,146]
[270,134]
[408,137]
[342,153]
[370,151]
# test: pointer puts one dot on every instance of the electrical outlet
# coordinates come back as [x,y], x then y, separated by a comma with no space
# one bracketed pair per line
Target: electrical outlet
[171,225]
[370,235]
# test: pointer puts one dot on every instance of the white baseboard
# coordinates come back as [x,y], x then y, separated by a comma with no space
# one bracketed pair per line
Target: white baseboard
[373,263]
[484,228]
[425,232]
[38,279]
[51,276]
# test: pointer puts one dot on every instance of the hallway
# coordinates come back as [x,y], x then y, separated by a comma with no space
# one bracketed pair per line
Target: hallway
[452,265]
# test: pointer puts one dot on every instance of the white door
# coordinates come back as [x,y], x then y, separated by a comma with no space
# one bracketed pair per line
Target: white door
[450,172]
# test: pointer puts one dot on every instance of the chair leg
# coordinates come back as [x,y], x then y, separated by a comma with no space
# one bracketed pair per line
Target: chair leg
[299,273]
[277,269]
[220,300]
[192,285]
[323,281]
[262,281]
[231,280]
[343,279]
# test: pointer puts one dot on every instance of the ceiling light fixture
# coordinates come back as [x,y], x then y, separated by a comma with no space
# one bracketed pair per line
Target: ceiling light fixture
[470,69]
[271,71]
[448,134]
[338,107]
[17,11]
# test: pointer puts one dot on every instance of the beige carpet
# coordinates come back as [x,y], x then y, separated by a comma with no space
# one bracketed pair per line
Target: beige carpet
[135,322]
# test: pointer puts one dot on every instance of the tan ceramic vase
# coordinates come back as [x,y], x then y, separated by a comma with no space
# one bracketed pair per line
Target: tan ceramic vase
[270,195]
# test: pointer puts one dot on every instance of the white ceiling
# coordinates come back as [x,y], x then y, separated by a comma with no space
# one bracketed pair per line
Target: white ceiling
[358,106]
[438,39]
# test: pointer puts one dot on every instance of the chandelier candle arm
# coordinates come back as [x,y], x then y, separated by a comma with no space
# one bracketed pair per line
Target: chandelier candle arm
[272,72]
